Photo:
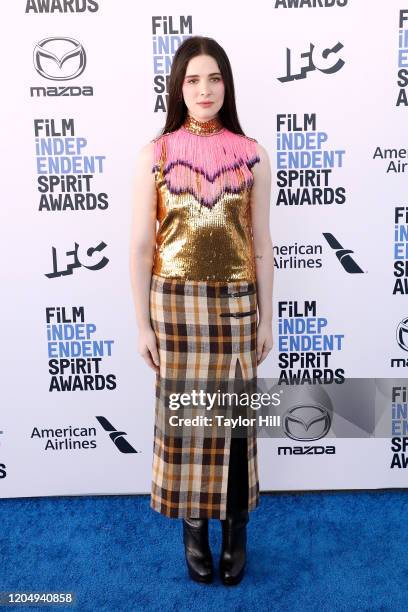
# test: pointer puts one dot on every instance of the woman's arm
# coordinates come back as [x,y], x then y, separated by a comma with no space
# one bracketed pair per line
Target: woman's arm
[260,209]
[142,247]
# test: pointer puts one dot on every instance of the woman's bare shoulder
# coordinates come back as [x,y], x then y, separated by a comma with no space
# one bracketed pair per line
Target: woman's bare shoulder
[263,167]
[146,153]
[260,149]
[262,155]
[147,148]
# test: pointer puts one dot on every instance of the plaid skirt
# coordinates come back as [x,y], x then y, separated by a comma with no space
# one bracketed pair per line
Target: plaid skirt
[205,331]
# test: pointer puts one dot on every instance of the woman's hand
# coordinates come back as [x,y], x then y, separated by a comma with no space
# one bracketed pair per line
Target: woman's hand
[147,348]
[264,341]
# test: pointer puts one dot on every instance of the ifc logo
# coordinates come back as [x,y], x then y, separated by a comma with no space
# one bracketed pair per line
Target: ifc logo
[402,334]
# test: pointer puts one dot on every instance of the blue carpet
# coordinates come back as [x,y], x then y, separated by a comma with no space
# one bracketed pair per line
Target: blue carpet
[318,551]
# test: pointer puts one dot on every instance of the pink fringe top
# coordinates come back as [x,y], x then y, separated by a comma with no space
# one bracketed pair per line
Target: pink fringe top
[222,160]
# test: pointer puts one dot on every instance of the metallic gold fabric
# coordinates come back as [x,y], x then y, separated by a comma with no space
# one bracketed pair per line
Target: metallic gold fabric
[202,128]
[204,186]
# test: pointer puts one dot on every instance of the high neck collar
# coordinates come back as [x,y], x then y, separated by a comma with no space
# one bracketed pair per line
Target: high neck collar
[202,128]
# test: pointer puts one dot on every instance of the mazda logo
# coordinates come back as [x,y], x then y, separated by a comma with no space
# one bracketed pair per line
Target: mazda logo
[402,334]
[59,58]
[298,420]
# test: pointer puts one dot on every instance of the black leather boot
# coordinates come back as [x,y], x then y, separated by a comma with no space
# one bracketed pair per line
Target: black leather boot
[233,552]
[197,550]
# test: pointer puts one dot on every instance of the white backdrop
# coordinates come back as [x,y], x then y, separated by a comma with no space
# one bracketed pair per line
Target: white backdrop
[110,110]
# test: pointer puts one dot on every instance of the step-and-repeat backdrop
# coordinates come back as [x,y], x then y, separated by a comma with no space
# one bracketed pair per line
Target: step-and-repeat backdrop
[323,86]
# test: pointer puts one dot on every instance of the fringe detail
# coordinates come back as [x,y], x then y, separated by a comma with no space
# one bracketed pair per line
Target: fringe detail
[206,167]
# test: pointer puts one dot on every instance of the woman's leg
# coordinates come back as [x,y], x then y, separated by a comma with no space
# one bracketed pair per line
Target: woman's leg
[233,552]
[237,493]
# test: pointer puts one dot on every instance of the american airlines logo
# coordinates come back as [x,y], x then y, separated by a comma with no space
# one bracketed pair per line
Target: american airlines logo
[343,255]
[116,436]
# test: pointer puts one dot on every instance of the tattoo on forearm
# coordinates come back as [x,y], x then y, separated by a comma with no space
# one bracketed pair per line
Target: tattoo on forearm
[258,256]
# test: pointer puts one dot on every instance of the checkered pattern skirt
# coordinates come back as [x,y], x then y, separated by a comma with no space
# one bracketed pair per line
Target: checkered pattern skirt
[205,331]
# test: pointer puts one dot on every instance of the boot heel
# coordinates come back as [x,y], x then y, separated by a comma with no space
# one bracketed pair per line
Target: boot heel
[233,552]
[197,550]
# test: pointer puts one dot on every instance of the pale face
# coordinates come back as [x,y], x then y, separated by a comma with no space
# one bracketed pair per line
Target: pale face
[203,83]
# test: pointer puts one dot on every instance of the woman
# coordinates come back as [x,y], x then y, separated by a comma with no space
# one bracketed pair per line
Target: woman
[197,284]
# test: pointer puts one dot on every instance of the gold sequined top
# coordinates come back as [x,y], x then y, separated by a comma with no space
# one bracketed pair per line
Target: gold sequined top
[203,179]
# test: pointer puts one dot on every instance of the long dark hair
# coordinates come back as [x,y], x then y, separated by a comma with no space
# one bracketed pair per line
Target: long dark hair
[176,108]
